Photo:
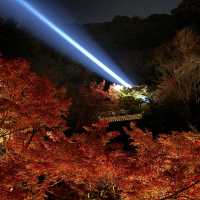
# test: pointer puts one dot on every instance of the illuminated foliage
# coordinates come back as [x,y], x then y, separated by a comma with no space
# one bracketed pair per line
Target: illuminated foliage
[28,102]
[130,99]
[91,102]
[176,96]
[180,68]
[166,167]
[40,162]
[178,90]
[139,93]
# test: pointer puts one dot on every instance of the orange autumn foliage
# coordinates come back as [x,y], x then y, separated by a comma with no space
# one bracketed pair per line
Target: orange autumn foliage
[28,101]
[165,168]
[168,167]
[90,102]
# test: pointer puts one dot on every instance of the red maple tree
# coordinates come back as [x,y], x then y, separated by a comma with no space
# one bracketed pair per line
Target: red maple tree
[40,156]
[28,102]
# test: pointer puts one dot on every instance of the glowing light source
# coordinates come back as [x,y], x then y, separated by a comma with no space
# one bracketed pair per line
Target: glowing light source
[71,41]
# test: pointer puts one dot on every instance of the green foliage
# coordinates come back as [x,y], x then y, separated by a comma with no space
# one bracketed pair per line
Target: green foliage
[135,98]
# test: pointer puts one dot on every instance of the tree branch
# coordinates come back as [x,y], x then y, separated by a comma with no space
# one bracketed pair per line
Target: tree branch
[180,191]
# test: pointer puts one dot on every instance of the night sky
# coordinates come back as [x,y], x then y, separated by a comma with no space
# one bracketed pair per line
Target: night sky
[85,11]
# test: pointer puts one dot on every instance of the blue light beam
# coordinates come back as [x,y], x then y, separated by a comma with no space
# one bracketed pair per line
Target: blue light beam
[72,42]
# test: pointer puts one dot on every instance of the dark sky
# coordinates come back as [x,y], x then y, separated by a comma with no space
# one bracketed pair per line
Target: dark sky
[104,10]
[84,11]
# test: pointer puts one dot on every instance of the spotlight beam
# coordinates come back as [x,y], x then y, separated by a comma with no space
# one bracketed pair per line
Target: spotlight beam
[71,41]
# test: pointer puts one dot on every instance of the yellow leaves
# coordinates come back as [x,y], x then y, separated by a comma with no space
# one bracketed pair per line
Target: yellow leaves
[194,138]
[154,192]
